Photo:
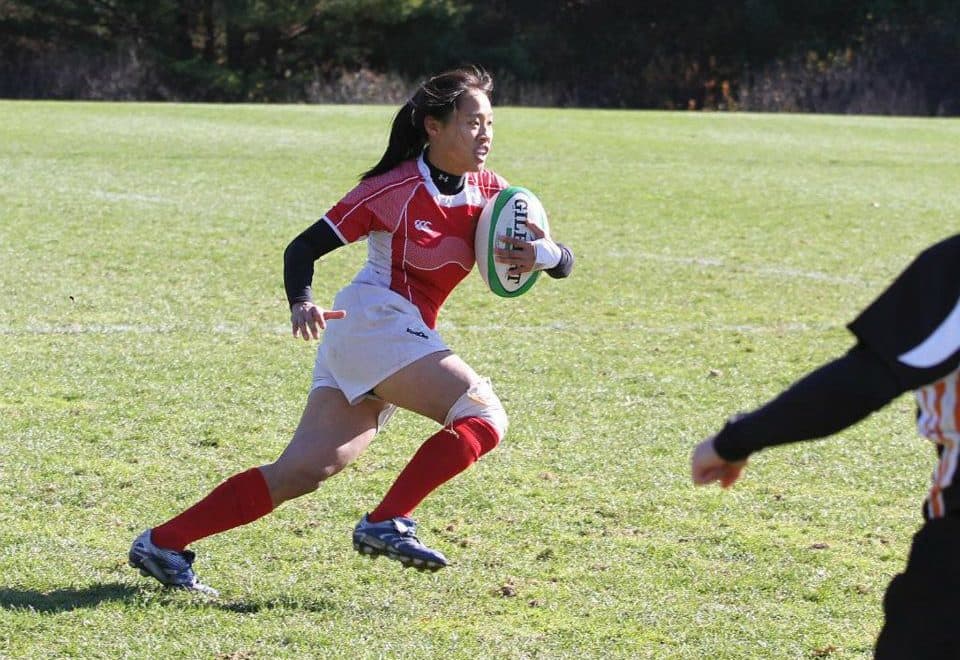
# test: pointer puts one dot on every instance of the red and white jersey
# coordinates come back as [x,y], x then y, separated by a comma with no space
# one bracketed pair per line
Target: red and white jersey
[939,410]
[939,420]
[420,242]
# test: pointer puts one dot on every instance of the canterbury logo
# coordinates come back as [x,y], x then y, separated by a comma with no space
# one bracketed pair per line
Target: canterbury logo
[423,225]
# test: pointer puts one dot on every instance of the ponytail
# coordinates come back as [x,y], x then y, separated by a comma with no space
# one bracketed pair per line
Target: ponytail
[407,139]
[437,98]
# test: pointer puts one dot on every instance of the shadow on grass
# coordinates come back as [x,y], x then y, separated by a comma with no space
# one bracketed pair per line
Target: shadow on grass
[66,600]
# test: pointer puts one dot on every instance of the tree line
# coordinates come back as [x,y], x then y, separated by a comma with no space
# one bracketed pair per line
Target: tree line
[880,56]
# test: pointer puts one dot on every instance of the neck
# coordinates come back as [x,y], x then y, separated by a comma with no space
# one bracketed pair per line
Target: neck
[446,183]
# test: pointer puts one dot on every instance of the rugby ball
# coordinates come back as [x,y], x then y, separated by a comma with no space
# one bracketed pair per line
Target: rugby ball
[507,214]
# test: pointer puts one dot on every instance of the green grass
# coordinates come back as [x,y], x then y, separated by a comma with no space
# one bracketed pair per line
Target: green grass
[145,356]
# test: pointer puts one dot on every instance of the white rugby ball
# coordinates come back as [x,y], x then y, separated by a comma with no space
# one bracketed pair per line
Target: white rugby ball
[507,214]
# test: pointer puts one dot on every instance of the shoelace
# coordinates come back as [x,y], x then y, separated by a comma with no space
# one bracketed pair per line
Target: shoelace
[410,536]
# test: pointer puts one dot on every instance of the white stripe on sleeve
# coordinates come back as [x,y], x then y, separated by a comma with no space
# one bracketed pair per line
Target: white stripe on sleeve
[941,344]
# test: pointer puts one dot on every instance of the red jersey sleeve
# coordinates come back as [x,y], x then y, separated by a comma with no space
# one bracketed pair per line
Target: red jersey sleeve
[376,204]
[351,217]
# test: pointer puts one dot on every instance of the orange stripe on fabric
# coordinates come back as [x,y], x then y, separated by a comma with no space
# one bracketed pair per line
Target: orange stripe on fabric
[926,410]
[936,490]
[931,400]
[933,429]
[956,402]
[936,500]
[939,389]
[947,433]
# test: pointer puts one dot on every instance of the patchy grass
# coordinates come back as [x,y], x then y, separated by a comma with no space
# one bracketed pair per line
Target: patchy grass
[145,357]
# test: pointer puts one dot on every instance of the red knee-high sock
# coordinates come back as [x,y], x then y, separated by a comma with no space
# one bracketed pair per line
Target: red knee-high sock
[442,457]
[237,501]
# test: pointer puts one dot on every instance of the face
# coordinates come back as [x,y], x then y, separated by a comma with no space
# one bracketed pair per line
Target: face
[462,143]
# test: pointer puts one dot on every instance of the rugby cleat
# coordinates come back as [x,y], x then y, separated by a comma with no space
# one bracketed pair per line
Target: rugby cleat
[396,539]
[170,567]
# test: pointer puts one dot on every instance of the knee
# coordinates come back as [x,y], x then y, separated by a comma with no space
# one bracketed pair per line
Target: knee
[481,401]
[288,480]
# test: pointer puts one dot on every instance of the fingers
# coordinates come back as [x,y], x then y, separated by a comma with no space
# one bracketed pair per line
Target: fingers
[307,320]
[706,466]
[535,230]
[515,242]
[507,256]
[726,475]
[730,475]
[517,266]
[703,464]
[520,255]
[305,327]
[706,475]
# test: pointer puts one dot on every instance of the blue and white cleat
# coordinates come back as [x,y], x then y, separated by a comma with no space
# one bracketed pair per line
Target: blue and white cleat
[396,539]
[170,567]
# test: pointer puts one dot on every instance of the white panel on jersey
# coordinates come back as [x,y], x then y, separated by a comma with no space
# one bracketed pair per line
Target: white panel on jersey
[941,344]
[377,269]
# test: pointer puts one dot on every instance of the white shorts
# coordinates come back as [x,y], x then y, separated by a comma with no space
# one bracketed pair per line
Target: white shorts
[381,334]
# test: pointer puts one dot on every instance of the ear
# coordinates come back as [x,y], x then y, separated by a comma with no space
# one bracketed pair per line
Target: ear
[432,125]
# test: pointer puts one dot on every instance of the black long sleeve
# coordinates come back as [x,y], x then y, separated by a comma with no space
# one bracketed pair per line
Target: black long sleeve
[298,259]
[831,398]
[565,267]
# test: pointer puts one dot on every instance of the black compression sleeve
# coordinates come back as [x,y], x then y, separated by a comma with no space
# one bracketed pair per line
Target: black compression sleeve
[316,241]
[835,396]
[565,267]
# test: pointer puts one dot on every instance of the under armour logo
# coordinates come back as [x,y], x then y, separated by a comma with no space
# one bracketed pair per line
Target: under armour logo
[443,178]
[423,225]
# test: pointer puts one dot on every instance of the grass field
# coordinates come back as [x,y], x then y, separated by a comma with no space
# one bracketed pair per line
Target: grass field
[145,356]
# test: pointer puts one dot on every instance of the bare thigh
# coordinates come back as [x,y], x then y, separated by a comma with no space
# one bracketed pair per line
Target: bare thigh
[330,435]
[430,386]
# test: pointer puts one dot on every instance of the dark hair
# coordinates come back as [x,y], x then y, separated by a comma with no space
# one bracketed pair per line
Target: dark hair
[437,97]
